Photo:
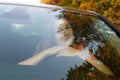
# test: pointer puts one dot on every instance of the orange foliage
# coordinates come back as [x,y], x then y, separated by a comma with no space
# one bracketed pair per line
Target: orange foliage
[108,8]
[55,2]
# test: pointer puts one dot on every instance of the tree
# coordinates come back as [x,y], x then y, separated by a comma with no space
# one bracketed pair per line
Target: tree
[110,9]
[86,72]
[88,34]
[106,52]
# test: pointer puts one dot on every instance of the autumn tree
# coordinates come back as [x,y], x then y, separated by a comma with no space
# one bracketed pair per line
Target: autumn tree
[108,8]
[88,34]
[87,72]
[83,28]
